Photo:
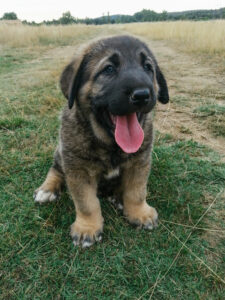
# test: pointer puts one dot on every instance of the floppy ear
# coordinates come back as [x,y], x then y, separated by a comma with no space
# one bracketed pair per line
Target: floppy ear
[66,78]
[163,94]
[72,79]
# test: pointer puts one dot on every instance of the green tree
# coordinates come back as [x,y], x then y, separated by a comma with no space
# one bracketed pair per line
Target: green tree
[67,18]
[9,16]
[164,15]
[222,13]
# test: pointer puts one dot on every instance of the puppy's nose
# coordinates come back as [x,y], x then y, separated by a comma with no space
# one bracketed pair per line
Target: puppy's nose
[140,97]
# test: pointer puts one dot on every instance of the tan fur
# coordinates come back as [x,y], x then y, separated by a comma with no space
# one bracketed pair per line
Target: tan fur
[134,187]
[140,214]
[155,83]
[53,182]
[87,226]
[83,189]
[99,131]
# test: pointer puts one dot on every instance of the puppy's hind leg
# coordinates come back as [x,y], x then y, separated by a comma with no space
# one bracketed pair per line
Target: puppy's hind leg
[51,188]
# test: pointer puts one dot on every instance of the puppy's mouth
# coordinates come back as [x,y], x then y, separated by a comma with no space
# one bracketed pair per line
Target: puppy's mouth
[126,130]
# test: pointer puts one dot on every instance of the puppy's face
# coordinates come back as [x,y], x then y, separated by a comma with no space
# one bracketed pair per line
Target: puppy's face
[118,79]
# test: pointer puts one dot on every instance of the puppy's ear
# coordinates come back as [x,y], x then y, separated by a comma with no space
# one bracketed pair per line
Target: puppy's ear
[66,77]
[163,94]
[72,79]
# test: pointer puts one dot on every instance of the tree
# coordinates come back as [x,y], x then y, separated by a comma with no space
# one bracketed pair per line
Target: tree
[222,13]
[9,16]
[164,15]
[67,18]
[146,16]
[108,18]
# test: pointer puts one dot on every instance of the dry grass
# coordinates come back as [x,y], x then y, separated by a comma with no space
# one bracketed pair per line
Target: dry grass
[202,36]
[24,35]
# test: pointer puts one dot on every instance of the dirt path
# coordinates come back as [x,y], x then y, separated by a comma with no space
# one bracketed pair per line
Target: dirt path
[191,85]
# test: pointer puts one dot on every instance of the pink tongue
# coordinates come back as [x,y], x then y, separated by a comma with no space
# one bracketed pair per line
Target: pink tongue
[129,134]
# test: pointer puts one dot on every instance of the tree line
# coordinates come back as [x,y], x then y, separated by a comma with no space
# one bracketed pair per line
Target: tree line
[145,15]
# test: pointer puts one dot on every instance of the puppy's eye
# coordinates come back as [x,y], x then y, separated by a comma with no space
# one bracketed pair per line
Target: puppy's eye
[147,67]
[109,70]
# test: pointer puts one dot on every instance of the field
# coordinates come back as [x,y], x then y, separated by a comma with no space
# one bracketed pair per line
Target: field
[184,257]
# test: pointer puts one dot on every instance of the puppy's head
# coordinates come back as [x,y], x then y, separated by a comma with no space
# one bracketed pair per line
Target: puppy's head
[118,80]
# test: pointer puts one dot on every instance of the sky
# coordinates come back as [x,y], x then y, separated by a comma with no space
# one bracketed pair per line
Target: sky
[39,10]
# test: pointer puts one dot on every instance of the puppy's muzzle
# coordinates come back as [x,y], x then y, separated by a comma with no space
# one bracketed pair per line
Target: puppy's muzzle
[140,97]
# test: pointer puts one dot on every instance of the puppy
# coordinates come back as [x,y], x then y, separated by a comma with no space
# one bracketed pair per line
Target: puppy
[106,134]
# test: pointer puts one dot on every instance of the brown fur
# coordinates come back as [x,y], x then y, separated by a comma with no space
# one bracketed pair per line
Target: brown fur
[53,182]
[87,153]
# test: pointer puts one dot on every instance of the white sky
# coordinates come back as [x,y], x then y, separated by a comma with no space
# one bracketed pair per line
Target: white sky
[39,10]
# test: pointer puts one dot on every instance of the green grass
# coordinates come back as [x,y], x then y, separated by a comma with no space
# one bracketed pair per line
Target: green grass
[11,60]
[210,110]
[214,115]
[37,258]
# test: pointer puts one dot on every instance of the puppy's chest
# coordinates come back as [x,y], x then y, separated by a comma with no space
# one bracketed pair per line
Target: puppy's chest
[113,165]
[112,160]
[109,181]
[111,173]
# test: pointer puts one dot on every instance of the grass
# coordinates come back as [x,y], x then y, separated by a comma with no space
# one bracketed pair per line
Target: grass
[210,110]
[182,259]
[9,61]
[214,116]
[23,35]
[201,37]
[38,258]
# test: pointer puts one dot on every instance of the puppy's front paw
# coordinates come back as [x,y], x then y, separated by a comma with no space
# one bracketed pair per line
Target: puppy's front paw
[42,196]
[141,215]
[85,232]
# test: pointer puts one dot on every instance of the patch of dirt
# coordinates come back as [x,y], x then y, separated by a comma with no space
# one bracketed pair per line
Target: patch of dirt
[195,84]
[182,125]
